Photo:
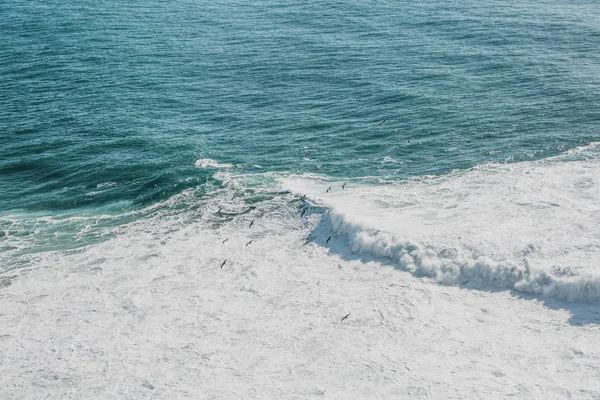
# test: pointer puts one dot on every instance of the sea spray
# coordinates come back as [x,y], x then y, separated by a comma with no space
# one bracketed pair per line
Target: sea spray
[449,266]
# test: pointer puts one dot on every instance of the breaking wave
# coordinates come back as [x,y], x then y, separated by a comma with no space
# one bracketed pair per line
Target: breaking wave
[449,266]
[533,227]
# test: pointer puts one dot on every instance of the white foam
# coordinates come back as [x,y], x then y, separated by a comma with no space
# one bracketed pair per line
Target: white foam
[150,313]
[210,163]
[532,227]
[585,149]
[451,266]
[106,185]
[388,159]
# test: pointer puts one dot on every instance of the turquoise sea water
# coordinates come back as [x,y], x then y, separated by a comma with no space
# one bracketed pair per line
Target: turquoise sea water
[106,107]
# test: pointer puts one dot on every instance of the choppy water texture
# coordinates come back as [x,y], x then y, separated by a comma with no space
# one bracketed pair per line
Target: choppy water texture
[115,101]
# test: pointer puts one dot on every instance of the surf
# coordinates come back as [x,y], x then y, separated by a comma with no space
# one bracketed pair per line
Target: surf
[532,227]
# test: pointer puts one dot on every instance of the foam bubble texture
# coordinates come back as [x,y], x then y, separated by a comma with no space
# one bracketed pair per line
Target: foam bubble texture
[450,267]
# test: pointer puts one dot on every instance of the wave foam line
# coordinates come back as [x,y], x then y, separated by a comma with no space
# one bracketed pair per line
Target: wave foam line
[451,267]
[207,162]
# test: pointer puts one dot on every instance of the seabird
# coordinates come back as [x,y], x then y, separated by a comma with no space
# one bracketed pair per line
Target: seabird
[382,122]
[328,189]
[225,240]
[345,317]
[248,243]
[223,263]
[328,239]
[303,211]
[251,223]
[344,186]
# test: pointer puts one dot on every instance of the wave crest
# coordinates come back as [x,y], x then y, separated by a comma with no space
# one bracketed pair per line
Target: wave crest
[450,266]
[210,163]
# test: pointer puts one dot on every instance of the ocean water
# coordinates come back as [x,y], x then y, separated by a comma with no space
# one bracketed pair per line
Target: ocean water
[451,149]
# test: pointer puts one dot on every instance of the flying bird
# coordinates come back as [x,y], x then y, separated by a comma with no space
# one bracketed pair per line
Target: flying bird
[303,197]
[248,243]
[345,317]
[251,223]
[328,239]
[223,263]
[382,122]
[219,212]
[225,240]
[328,189]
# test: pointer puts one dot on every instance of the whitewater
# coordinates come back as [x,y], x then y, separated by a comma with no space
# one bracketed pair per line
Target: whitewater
[531,227]
[481,283]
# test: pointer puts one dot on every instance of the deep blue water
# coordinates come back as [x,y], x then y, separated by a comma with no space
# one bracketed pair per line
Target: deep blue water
[120,99]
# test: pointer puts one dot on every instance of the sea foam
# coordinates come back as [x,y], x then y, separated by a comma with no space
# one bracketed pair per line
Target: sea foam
[210,163]
[532,227]
[448,266]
